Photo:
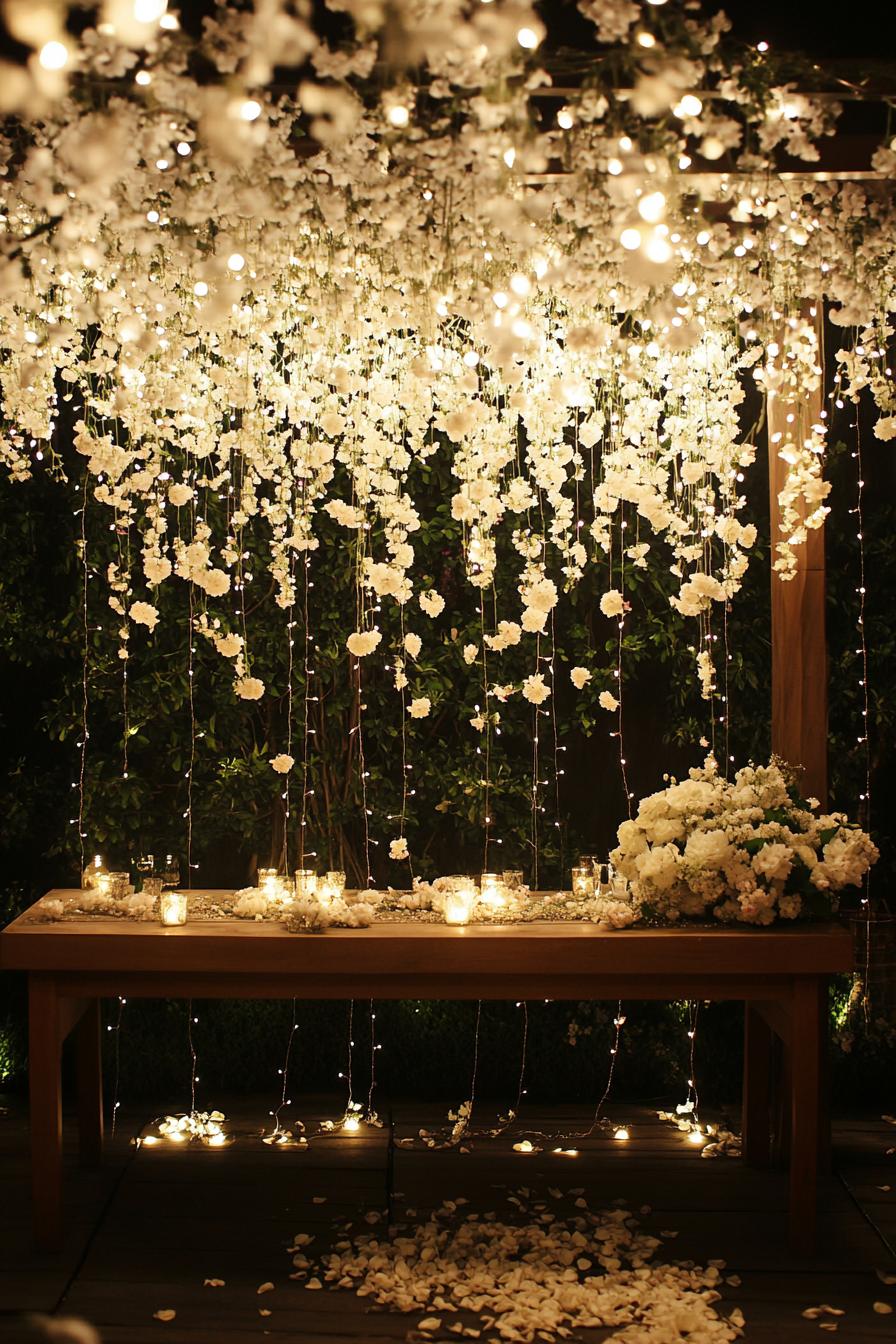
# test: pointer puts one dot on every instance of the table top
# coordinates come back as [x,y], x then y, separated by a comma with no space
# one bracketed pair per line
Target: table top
[103,944]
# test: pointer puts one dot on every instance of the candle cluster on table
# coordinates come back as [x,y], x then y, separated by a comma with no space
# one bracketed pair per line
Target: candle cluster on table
[495,892]
[593,877]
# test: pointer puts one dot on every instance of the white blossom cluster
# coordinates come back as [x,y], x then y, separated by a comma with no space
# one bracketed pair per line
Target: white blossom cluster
[746,849]
[283,303]
[536,1276]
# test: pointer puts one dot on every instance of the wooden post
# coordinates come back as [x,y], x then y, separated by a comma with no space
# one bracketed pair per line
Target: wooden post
[799,647]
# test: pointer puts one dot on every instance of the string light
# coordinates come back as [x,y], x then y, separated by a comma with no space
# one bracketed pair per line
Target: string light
[116,1028]
[53,55]
[284,1073]
[85,666]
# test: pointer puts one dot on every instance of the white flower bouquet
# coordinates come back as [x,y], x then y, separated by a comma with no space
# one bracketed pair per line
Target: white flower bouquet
[748,849]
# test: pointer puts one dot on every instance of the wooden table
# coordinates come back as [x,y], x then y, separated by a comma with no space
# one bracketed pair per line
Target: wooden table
[781,975]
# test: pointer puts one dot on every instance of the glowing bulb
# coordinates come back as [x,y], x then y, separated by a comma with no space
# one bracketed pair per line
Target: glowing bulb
[520,284]
[250,109]
[658,250]
[703,237]
[399,115]
[695,1137]
[471,359]
[162,164]
[150,1140]
[149,11]
[152,216]
[169,21]
[235,261]
[500,299]
[689,106]
[762,46]
[352,1124]
[646,40]
[183,148]
[200,288]
[509,157]
[625,143]
[527,38]
[652,207]
[565,119]
[217,1140]
[621,1134]
[614,167]
[630,239]
[53,55]
[143,77]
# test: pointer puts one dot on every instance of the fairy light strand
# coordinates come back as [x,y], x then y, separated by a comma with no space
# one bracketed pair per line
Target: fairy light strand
[85,673]
[189,812]
[865,798]
[284,1072]
[192,1047]
[116,1065]
[370,1113]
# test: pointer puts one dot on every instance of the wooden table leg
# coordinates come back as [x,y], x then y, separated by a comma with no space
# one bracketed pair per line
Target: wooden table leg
[90,1085]
[45,1083]
[756,1088]
[805,1073]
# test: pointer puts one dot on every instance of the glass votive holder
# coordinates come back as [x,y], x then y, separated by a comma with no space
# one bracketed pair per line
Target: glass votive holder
[334,881]
[92,873]
[603,876]
[459,905]
[170,870]
[619,888]
[173,907]
[306,882]
[512,878]
[119,885]
[582,881]
[491,890]
[152,886]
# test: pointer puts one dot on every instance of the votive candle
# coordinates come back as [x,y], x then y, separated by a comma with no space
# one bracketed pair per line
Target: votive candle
[459,905]
[491,891]
[173,907]
[306,882]
[582,882]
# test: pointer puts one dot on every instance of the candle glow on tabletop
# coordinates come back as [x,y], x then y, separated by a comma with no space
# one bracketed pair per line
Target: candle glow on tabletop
[173,907]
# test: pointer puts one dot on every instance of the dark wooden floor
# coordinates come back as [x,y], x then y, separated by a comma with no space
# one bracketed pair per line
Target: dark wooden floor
[146,1231]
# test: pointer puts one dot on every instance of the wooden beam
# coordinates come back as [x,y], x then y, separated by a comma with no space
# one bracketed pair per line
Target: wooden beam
[799,645]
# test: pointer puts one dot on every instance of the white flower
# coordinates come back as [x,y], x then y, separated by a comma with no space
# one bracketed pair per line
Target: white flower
[432,603]
[612,603]
[229,645]
[249,688]
[144,614]
[398,849]
[607,700]
[156,568]
[885,428]
[774,862]
[282,763]
[363,642]
[707,849]
[534,620]
[579,676]
[535,689]
[214,582]
[413,643]
[180,494]
[419,708]
[471,653]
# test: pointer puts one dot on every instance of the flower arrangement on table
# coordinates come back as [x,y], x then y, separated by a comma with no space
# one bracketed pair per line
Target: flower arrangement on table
[747,850]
